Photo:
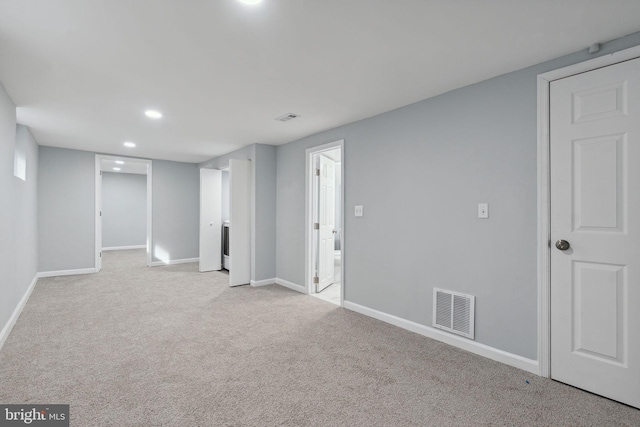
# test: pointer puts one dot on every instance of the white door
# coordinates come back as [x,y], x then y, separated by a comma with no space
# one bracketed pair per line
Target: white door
[210,220]
[239,222]
[595,207]
[326,221]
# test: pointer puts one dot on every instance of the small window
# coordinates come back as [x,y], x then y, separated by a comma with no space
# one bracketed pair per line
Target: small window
[20,157]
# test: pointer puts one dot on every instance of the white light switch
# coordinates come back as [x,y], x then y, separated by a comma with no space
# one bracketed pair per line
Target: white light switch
[359,210]
[483,210]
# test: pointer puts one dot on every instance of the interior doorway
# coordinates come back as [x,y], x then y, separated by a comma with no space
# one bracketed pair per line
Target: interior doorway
[225,220]
[128,167]
[325,219]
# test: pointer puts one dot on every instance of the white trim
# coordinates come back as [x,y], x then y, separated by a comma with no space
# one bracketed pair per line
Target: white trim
[124,248]
[264,282]
[66,272]
[149,213]
[6,330]
[501,356]
[291,285]
[98,206]
[174,261]
[97,228]
[544,192]
[544,232]
[309,251]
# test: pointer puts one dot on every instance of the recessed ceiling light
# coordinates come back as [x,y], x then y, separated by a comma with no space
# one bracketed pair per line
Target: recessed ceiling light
[152,114]
[129,144]
[116,169]
[119,162]
[250,1]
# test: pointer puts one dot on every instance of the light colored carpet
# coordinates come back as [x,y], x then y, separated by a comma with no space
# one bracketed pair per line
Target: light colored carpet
[168,346]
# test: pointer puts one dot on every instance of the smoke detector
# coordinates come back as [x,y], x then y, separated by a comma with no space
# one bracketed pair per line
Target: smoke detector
[287,117]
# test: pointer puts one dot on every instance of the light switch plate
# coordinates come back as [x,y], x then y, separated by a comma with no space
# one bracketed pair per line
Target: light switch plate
[359,211]
[483,210]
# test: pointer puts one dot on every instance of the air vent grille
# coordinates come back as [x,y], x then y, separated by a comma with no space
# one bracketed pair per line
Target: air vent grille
[287,117]
[443,309]
[454,312]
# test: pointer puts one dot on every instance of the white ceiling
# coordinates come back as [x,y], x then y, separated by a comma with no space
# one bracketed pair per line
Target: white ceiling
[335,154]
[82,72]
[136,166]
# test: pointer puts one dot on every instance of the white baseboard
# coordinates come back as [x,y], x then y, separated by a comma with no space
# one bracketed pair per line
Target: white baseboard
[510,359]
[66,272]
[264,282]
[291,285]
[124,248]
[6,330]
[174,261]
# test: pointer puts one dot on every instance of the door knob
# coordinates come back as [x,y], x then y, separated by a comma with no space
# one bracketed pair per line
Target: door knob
[563,245]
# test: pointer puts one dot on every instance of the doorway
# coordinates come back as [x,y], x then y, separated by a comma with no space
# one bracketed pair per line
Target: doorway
[128,167]
[325,222]
[225,220]
[589,329]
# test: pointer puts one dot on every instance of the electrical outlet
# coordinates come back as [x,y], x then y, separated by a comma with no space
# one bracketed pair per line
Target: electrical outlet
[359,211]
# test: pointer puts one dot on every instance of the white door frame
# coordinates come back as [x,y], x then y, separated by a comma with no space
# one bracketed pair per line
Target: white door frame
[98,205]
[544,194]
[309,250]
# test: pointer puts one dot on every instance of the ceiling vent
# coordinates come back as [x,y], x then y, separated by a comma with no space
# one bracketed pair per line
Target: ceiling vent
[287,117]
[454,312]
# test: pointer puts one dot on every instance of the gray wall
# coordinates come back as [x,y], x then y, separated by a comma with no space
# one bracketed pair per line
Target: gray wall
[18,215]
[263,205]
[420,172]
[176,210]
[124,209]
[225,195]
[265,212]
[66,206]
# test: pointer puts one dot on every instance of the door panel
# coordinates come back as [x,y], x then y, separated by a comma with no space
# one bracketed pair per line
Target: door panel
[210,220]
[599,293]
[326,219]
[595,206]
[239,222]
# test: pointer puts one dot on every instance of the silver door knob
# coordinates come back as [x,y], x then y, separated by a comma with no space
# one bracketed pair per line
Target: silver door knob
[563,245]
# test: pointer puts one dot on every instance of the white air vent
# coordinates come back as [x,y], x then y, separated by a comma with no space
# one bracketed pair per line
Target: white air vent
[287,117]
[454,312]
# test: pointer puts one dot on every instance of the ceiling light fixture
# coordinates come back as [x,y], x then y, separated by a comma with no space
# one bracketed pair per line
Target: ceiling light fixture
[153,114]
[116,169]
[129,144]
[119,162]
[251,2]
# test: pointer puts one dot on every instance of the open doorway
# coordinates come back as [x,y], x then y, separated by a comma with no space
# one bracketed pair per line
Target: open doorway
[123,206]
[325,219]
[225,221]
